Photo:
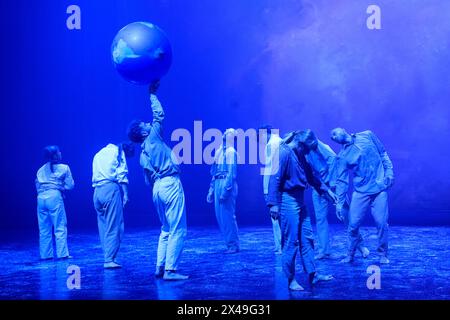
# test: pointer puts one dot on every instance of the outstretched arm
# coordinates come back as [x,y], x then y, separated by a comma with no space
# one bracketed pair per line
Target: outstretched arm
[157,109]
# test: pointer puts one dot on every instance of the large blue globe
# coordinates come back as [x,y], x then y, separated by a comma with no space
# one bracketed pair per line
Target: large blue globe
[141,53]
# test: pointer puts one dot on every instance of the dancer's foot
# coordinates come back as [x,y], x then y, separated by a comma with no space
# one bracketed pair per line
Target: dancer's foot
[317,277]
[232,250]
[171,275]
[347,259]
[364,251]
[111,265]
[294,286]
[159,272]
[321,256]
[46,259]
[384,260]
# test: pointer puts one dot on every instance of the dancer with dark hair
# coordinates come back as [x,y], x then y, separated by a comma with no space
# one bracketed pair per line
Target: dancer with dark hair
[52,180]
[323,162]
[286,202]
[161,169]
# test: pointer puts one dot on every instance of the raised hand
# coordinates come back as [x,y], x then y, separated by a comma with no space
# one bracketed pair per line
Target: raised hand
[153,87]
[389,181]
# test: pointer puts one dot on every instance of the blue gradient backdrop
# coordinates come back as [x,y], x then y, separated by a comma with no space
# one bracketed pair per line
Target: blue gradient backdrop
[236,63]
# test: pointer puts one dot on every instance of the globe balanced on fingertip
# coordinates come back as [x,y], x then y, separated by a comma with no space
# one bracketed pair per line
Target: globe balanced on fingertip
[141,53]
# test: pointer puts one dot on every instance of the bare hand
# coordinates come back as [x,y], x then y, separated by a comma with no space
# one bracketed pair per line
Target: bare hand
[339,214]
[389,181]
[332,196]
[125,200]
[275,212]
[225,195]
[210,197]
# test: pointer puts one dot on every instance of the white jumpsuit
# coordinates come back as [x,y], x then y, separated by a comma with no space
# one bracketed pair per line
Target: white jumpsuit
[50,208]
[225,189]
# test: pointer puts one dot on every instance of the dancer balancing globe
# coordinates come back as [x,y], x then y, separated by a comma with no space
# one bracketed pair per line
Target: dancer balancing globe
[141,53]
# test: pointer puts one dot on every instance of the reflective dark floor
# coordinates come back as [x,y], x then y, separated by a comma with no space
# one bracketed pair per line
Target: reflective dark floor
[419,269]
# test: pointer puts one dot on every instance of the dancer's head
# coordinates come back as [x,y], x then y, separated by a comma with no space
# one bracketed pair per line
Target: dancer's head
[294,140]
[340,136]
[228,137]
[52,154]
[308,139]
[138,130]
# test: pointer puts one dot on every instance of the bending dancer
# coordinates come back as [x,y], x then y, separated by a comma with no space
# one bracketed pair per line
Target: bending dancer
[271,166]
[223,190]
[364,154]
[110,180]
[323,160]
[286,202]
[52,179]
[161,169]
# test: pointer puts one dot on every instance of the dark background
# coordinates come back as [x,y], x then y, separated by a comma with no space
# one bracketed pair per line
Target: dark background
[236,63]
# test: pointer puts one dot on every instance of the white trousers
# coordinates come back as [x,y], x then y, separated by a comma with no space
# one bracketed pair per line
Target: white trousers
[168,197]
[52,221]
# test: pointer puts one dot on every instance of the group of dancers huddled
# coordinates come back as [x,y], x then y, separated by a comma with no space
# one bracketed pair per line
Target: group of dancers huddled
[293,163]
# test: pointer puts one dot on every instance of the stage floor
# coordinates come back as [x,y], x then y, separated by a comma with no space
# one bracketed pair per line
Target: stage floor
[419,268]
